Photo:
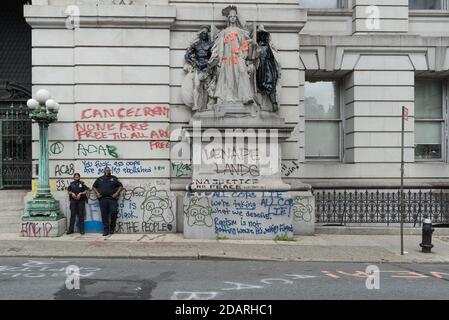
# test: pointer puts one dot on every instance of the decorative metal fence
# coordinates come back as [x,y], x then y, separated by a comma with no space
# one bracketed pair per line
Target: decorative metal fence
[15,138]
[381,206]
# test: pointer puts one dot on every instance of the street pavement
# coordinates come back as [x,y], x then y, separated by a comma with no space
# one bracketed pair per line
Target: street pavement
[105,278]
[319,248]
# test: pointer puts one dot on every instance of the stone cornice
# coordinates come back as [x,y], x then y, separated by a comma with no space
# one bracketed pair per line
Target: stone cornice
[146,16]
[98,16]
[374,41]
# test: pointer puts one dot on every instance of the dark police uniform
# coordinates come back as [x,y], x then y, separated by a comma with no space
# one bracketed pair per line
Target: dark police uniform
[107,186]
[77,207]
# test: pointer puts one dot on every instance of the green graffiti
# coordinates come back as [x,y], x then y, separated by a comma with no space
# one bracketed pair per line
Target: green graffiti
[112,150]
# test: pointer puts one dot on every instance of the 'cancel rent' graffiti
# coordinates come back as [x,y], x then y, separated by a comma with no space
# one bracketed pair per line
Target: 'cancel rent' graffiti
[240,214]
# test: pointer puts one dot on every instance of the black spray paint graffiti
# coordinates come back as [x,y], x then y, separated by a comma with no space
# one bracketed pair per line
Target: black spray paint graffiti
[57,147]
[157,207]
[302,209]
[199,212]
[240,170]
[64,169]
[142,210]
[181,170]
[289,168]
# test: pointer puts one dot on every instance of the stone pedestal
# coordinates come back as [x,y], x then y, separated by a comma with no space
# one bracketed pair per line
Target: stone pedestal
[249,215]
[237,191]
[43,217]
[43,228]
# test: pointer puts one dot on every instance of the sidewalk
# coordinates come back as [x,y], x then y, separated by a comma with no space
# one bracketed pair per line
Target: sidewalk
[321,247]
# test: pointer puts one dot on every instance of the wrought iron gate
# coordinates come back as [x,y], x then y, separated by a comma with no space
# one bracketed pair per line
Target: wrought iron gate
[15,137]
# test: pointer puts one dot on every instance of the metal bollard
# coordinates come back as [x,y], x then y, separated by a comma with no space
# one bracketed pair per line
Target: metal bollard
[427,231]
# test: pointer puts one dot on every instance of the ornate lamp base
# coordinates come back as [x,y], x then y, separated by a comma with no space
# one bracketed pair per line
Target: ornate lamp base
[43,218]
[42,209]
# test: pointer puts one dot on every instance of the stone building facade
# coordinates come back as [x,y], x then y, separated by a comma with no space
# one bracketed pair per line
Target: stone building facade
[348,67]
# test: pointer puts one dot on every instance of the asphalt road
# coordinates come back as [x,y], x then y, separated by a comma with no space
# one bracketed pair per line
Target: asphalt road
[45,278]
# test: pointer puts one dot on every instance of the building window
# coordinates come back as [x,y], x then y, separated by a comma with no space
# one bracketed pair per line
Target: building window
[323,120]
[425,4]
[429,120]
[321,4]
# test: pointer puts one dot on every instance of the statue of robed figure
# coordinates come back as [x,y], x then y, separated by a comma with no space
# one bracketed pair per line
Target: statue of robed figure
[268,70]
[239,70]
[229,56]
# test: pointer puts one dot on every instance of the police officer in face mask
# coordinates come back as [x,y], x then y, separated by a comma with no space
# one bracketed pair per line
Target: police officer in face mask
[77,193]
[108,188]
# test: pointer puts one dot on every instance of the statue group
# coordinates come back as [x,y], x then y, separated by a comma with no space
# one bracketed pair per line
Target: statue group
[238,67]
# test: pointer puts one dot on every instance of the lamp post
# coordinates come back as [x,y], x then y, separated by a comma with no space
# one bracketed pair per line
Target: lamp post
[43,207]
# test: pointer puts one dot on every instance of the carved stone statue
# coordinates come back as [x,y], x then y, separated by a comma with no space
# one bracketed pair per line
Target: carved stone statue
[229,55]
[197,57]
[267,70]
[238,72]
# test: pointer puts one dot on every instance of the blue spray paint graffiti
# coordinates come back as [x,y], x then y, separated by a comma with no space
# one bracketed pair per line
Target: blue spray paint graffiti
[140,210]
[240,214]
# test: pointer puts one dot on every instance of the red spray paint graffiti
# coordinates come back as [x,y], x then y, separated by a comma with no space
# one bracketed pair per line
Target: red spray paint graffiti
[125,112]
[36,229]
[120,131]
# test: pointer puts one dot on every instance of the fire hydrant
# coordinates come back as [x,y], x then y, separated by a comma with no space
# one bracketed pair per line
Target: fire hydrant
[427,231]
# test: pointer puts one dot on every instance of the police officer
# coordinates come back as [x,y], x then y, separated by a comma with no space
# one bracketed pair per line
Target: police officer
[77,193]
[108,188]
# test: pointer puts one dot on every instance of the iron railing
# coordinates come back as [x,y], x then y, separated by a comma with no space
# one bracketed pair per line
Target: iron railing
[367,206]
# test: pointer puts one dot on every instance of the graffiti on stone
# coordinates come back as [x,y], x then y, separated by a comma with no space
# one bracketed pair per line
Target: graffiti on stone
[61,169]
[56,147]
[87,150]
[36,229]
[181,169]
[199,212]
[157,207]
[141,209]
[120,113]
[121,131]
[302,209]
[240,214]
[289,168]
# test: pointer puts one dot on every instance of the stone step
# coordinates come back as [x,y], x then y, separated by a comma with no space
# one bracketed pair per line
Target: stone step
[10,228]
[9,219]
[11,198]
[4,207]
[12,213]
[12,193]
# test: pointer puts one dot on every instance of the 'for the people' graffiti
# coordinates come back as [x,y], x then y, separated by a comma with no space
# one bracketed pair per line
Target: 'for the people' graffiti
[142,209]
